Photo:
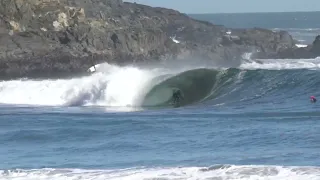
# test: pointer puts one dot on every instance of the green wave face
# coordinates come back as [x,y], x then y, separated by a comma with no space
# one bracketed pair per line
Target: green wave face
[195,86]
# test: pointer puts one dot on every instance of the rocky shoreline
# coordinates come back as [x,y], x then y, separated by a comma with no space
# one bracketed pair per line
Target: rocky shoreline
[48,38]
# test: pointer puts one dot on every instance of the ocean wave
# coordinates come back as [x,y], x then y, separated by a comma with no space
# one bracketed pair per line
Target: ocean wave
[226,172]
[114,86]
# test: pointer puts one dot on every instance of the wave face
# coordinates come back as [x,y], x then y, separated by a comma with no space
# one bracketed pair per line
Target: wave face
[115,86]
[215,172]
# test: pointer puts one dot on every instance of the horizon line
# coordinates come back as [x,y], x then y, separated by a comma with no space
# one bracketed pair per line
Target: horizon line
[263,12]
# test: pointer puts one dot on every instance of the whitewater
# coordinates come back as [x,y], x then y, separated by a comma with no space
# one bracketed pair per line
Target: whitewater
[109,86]
[225,172]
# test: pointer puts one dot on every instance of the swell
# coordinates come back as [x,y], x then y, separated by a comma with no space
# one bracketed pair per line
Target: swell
[287,89]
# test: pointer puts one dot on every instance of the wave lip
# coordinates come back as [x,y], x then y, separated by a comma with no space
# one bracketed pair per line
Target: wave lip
[213,172]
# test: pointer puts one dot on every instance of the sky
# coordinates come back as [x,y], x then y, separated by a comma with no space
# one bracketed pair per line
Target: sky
[234,6]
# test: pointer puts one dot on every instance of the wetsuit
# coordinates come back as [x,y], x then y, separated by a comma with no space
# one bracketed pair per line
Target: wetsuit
[176,96]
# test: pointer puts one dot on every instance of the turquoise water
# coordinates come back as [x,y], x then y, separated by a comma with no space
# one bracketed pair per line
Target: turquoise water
[256,122]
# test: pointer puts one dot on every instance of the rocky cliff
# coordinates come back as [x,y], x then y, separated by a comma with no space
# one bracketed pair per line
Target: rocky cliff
[60,37]
[311,51]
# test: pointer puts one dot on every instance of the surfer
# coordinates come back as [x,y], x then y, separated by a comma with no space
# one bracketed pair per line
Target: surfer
[176,97]
[313,99]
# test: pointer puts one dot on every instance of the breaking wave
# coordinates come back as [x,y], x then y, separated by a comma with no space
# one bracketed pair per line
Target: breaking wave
[130,86]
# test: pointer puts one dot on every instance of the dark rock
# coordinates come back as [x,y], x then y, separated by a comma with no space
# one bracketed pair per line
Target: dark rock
[316,46]
[309,52]
[60,37]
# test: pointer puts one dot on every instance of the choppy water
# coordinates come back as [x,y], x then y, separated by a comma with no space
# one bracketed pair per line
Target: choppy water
[254,121]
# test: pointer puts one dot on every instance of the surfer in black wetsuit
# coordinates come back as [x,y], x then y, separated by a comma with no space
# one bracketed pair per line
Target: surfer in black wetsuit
[313,99]
[176,97]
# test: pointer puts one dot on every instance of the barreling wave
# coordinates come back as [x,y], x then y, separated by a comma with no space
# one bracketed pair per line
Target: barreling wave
[195,85]
[114,86]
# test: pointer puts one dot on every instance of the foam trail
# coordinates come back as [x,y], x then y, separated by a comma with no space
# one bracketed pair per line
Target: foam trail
[225,172]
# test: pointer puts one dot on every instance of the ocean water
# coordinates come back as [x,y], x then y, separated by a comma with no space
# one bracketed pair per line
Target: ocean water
[304,26]
[254,121]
